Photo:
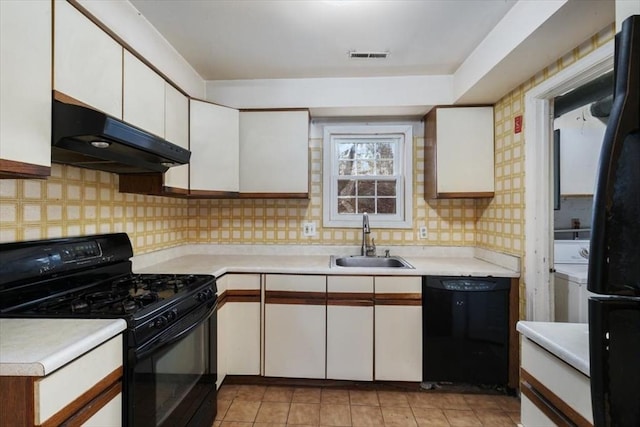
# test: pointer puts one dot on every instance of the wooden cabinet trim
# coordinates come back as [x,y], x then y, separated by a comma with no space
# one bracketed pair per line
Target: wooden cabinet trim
[294,297]
[17,397]
[94,406]
[273,195]
[85,399]
[350,299]
[11,169]
[408,299]
[467,195]
[549,403]
[238,295]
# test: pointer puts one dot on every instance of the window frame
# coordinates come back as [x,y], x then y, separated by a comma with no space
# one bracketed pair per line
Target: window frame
[403,218]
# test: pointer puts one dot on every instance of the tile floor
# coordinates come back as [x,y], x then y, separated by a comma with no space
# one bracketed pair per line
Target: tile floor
[258,405]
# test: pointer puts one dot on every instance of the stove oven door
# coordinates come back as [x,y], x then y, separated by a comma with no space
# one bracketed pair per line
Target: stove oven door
[171,381]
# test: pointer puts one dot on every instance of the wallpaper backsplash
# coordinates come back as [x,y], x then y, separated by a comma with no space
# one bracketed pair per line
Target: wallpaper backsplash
[76,201]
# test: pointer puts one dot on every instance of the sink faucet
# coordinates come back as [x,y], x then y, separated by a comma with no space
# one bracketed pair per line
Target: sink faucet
[366,248]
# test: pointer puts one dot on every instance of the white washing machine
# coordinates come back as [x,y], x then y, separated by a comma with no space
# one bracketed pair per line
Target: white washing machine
[571,260]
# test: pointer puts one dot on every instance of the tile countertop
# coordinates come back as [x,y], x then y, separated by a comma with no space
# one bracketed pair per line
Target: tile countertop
[567,341]
[319,264]
[37,347]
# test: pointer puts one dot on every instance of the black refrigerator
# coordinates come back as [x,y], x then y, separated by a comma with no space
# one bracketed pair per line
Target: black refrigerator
[614,261]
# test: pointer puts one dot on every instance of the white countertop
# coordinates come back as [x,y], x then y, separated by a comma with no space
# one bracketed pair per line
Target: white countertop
[37,347]
[319,264]
[567,341]
[573,272]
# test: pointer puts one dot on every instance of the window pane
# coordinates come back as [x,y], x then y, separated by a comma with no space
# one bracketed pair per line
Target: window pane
[346,205]
[387,206]
[366,204]
[346,187]
[384,150]
[346,151]
[386,188]
[385,167]
[364,167]
[365,150]
[366,188]
[345,167]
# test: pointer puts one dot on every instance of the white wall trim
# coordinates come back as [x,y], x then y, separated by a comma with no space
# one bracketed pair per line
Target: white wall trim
[538,118]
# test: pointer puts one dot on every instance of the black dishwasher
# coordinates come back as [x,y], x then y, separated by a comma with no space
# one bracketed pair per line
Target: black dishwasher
[465,330]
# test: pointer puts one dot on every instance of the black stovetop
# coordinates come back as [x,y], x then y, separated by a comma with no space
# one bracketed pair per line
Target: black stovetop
[91,277]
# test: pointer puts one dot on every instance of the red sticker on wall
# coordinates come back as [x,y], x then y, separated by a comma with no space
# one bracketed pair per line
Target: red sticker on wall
[517,124]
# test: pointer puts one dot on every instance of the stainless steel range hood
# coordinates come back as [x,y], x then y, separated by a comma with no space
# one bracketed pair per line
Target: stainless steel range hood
[90,139]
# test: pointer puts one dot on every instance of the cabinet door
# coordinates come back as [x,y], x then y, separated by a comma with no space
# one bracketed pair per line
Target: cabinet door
[25,84]
[350,328]
[274,152]
[459,152]
[398,328]
[214,133]
[176,130]
[87,61]
[295,326]
[144,96]
[243,324]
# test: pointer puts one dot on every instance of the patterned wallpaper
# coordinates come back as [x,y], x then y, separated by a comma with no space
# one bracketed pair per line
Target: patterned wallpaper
[78,201]
[500,224]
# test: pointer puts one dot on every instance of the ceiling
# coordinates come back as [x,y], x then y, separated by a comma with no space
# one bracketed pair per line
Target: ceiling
[284,39]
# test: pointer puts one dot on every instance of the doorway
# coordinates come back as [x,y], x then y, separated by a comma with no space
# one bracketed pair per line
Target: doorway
[538,183]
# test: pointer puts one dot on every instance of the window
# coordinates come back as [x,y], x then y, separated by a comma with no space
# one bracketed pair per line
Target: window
[367,169]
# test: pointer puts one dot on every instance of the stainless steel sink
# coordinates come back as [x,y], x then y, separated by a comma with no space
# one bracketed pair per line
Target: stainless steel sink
[369,261]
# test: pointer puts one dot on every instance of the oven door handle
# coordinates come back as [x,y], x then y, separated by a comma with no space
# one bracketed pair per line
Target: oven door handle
[168,337]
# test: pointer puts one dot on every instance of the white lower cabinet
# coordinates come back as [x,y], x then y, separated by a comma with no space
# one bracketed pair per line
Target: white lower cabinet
[295,326]
[239,321]
[398,328]
[350,328]
[552,390]
[86,391]
[243,324]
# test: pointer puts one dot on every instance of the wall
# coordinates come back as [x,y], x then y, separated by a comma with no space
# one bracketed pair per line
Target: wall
[77,201]
[500,222]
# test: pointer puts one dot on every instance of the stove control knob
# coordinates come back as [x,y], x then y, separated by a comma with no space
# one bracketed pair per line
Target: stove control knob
[171,315]
[201,296]
[160,322]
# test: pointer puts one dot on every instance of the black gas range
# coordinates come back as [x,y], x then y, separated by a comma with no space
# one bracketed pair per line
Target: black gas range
[171,323]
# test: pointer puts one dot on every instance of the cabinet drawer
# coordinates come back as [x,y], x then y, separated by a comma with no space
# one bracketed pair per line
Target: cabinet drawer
[54,392]
[295,283]
[568,384]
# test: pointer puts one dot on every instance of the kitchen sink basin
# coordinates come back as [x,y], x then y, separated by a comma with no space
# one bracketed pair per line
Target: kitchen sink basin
[369,261]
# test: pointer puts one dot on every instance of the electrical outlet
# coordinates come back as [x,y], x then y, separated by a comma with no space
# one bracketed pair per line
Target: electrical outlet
[309,229]
[422,232]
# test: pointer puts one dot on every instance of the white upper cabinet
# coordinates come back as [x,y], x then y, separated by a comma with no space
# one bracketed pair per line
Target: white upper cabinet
[214,131]
[176,130]
[274,152]
[459,152]
[87,61]
[25,84]
[144,96]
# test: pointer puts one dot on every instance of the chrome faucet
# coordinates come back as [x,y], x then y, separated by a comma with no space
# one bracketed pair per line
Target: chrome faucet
[367,249]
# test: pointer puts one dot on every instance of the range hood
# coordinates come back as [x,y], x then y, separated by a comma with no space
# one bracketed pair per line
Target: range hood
[90,139]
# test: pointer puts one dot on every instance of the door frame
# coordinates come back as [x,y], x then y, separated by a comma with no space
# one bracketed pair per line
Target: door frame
[538,136]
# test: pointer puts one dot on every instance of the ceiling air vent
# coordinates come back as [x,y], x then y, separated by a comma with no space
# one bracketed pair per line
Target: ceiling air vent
[367,55]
